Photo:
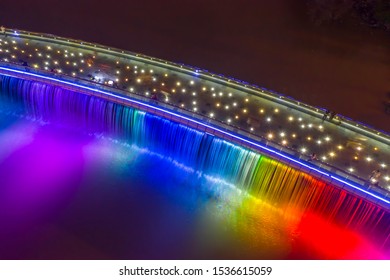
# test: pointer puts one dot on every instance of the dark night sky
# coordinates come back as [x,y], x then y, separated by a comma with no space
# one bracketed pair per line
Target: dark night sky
[269,43]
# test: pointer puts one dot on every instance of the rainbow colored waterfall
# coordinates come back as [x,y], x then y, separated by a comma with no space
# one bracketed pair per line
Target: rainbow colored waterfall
[310,204]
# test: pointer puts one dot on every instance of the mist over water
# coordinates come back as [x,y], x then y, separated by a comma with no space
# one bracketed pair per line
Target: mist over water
[71,195]
[105,182]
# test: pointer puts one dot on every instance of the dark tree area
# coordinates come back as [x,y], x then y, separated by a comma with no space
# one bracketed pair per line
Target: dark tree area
[326,11]
[375,13]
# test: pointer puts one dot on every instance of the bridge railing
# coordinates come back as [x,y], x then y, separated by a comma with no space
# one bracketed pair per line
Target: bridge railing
[345,122]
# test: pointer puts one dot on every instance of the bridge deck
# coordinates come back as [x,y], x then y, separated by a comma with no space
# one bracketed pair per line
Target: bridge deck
[342,146]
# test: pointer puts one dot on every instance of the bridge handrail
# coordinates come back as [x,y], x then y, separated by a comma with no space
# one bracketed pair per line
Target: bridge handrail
[346,122]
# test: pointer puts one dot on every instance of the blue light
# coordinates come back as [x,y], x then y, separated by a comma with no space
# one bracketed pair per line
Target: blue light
[237,137]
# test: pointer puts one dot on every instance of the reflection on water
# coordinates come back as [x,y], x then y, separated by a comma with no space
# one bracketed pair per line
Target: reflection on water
[65,194]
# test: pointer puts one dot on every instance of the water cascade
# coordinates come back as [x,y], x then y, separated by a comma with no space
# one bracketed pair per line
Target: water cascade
[291,191]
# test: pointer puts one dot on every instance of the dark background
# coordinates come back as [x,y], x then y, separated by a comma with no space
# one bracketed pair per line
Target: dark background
[343,66]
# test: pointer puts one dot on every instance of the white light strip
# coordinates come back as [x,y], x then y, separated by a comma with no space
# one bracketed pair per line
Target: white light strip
[199,123]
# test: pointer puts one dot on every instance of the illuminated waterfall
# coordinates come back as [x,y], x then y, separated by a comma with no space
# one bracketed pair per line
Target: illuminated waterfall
[281,186]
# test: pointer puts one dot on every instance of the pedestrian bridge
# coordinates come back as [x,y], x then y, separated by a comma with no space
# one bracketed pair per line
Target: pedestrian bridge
[346,151]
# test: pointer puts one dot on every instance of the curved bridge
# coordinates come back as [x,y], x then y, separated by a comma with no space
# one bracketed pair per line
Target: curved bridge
[268,122]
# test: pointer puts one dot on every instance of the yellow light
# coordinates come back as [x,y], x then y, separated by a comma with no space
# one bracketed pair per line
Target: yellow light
[276,110]
[270,135]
